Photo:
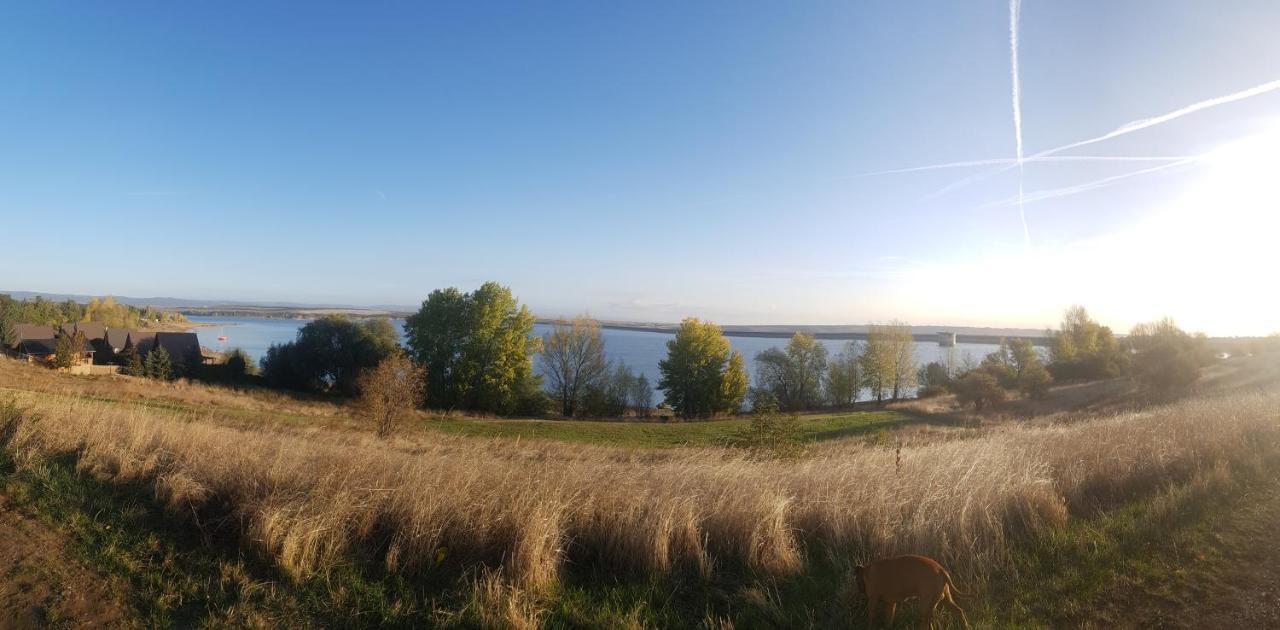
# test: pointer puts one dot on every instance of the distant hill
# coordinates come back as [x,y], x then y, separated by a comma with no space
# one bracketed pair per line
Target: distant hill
[218,305]
[304,310]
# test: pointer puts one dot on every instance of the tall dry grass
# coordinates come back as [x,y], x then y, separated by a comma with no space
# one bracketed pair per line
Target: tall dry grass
[308,501]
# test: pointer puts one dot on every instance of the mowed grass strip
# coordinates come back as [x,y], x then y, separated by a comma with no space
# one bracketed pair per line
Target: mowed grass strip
[816,427]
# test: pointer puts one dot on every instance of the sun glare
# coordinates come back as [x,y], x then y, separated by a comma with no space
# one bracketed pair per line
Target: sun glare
[1218,240]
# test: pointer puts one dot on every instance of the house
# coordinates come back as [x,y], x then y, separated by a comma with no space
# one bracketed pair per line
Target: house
[33,350]
[183,347]
[92,331]
[140,341]
[45,350]
[116,339]
[22,332]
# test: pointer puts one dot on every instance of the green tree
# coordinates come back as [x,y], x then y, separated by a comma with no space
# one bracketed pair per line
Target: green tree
[382,334]
[158,365]
[1166,360]
[573,361]
[607,396]
[477,349]
[888,360]
[236,365]
[1017,365]
[794,375]
[284,367]
[733,384]
[1084,349]
[640,396]
[327,355]
[876,363]
[701,375]
[68,349]
[131,362]
[9,311]
[934,379]
[843,382]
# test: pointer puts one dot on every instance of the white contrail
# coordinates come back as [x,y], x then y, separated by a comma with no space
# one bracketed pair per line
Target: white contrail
[1015,7]
[1127,128]
[1014,162]
[1065,191]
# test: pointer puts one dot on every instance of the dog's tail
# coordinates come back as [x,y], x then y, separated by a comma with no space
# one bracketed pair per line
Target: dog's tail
[951,585]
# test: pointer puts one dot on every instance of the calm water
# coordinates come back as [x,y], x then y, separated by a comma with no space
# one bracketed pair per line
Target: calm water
[640,350]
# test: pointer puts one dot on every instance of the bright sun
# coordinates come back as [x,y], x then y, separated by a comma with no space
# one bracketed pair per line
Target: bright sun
[1208,258]
[1212,255]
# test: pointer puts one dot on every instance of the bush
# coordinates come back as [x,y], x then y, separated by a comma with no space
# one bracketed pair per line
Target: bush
[1035,380]
[980,389]
[770,435]
[236,365]
[391,391]
[1166,360]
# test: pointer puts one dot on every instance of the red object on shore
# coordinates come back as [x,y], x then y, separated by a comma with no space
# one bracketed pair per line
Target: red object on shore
[222,337]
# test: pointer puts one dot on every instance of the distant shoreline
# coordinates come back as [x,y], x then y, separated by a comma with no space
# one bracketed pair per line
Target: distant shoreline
[964,334]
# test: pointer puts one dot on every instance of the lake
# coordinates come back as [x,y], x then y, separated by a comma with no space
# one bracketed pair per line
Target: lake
[641,350]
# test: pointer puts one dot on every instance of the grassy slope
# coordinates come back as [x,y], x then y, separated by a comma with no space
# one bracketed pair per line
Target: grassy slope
[1170,559]
[1166,558]
[824,426]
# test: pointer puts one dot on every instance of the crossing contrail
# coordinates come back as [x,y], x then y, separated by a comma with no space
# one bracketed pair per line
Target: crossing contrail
[1015,8]
[1127,128]
[1065,191]
[1014,162]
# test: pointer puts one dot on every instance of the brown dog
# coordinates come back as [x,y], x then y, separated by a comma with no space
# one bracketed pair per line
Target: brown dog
[892,580]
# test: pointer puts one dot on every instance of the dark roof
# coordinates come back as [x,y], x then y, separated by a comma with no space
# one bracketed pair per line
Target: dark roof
[116,337]
[38,347]
[91,330]
[31,331]
[179,345]
[143,341]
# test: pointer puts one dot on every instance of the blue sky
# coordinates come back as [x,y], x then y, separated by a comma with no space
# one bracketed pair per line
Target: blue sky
[645,162]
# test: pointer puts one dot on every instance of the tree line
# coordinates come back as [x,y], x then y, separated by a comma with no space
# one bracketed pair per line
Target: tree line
[106,310]
[475,351]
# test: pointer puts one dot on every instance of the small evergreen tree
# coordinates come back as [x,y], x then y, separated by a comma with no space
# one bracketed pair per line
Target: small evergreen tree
[131,364]
[158,365]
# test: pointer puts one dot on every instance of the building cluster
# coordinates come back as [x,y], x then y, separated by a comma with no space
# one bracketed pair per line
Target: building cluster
[101,345]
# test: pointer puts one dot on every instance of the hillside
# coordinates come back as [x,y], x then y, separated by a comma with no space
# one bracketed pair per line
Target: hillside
[208,506]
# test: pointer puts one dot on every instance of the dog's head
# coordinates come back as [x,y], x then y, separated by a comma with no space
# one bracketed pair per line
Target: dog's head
[857,575]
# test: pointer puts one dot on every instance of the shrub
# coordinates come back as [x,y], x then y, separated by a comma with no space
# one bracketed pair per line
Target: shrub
[1166,360]
[391,391]
[980,389]
[236,365]
[1034,380]
[770,435]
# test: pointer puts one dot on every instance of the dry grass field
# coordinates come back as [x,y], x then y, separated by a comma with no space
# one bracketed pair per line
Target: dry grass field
[515,523]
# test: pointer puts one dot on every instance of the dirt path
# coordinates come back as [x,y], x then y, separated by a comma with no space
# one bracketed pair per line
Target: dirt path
[42,585]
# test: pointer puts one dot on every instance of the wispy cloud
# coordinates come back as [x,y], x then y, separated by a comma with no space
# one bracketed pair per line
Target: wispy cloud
[381,195]
[1015,9]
